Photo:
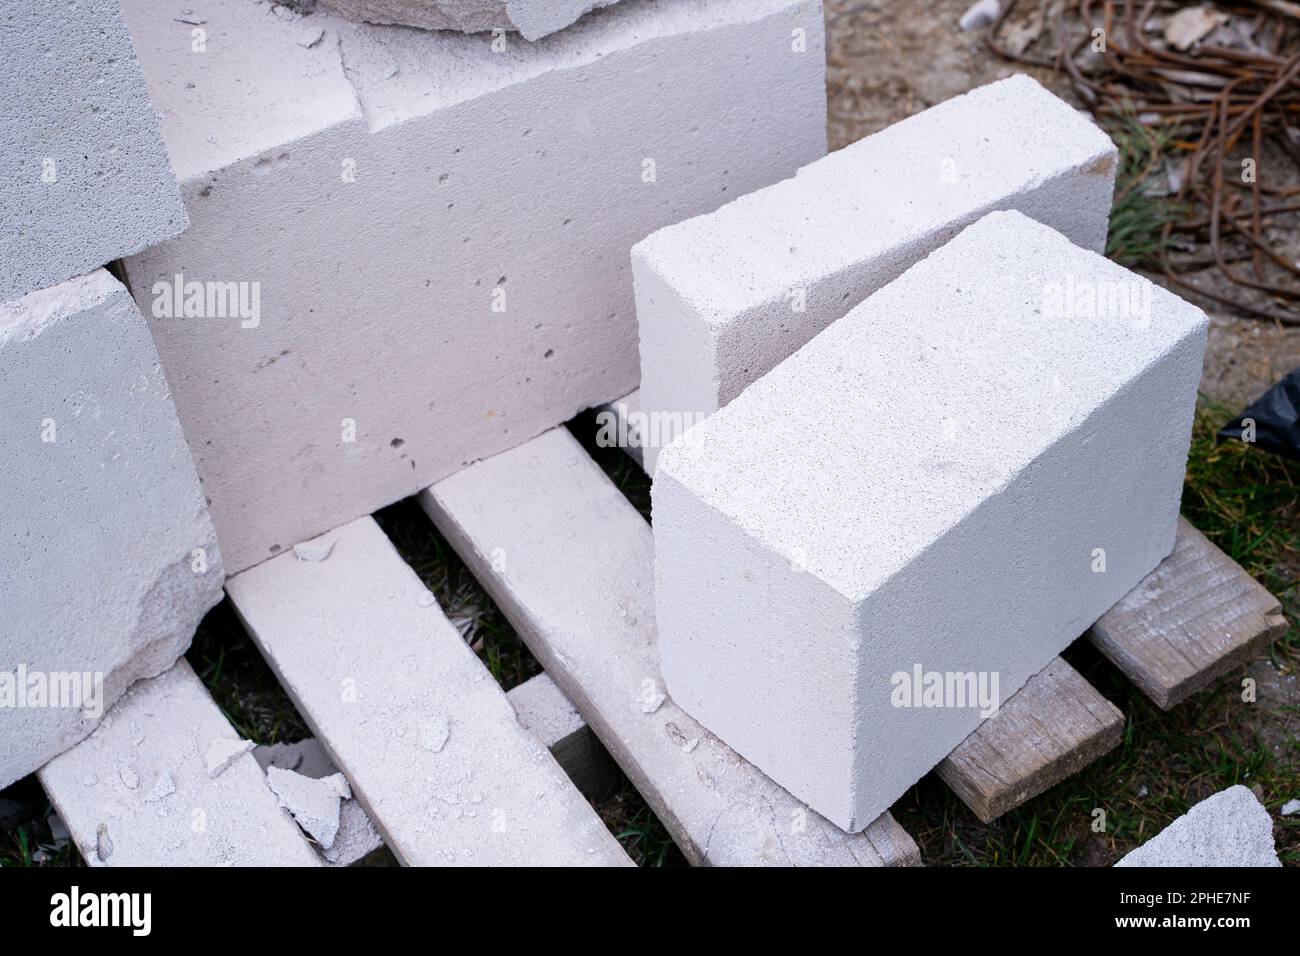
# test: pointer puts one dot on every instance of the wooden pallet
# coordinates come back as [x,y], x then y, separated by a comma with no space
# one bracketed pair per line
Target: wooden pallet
[452,770]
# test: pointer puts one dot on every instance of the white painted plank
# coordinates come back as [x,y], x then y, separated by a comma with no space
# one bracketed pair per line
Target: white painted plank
[138,791]
[570,563]
[428,742]
[548,715]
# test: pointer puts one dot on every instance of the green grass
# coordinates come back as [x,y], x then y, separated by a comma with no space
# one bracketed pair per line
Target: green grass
[1136,217]
[244,687]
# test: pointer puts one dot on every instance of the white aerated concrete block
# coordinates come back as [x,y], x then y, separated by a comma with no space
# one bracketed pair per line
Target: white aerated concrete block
[107,557]
[724,297]
[1231,828]
[533,19]
[432,237]
[949,484]
[84,176]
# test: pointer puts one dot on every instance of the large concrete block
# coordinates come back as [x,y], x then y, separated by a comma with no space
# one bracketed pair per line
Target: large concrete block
[722,298]
[437,234]
[533,19]
[949,484]
[1231,828]
[108,559]
[84,177]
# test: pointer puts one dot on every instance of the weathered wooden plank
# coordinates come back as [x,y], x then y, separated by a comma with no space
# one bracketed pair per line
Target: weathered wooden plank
[143,790]
[1052,727]
[1196,617]
[430,746]
[571,564]
[548,715]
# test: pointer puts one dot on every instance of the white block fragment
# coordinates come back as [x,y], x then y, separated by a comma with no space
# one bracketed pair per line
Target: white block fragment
[108,559]
[84,176]
[1231,828]
[314,802]
[723,298]
[356,837]
[954,479]
[177,814]
[532,19]
[427,280]
[221,752]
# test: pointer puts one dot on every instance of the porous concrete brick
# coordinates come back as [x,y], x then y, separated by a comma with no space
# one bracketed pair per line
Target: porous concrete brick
[532,19]
[1231,828]
[108,559]
[391,191]
[953,478]
[84,176]
[722,298]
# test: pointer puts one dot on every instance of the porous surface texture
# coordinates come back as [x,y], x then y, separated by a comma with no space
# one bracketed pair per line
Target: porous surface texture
[108,559]
[435,284]
[84,175]
[722,298]
[950,478]
[1231,828]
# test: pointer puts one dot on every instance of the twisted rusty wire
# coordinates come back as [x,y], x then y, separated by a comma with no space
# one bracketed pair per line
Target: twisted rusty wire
[1208,102]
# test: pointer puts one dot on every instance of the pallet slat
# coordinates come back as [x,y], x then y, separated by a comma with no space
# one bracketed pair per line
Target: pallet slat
[1052,727]
[138,792]
[1193,619]
[548,715]
[427,739]
[571,564]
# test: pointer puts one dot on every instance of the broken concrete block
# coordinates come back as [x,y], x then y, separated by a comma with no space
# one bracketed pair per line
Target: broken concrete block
[84,176]
[356,839]
[532,19]
[722,298]
[314,803]
[1231,828]
[409,253]
[137,792]
[108,560]
[885,536]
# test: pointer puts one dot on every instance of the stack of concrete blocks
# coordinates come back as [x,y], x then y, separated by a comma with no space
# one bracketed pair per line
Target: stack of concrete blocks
[108,559]
[891,531]
[430,230]
[722,298]
[1231,828]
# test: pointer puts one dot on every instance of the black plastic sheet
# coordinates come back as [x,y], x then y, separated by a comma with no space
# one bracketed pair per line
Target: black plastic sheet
[1276,417]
